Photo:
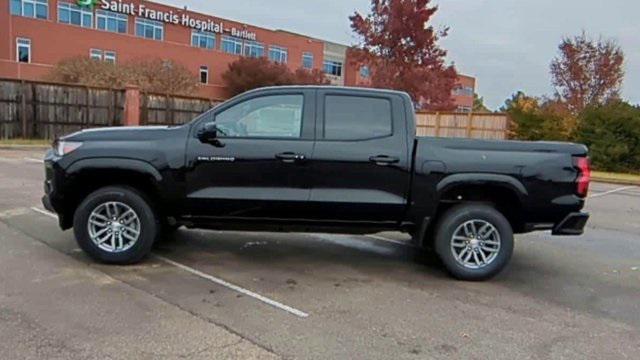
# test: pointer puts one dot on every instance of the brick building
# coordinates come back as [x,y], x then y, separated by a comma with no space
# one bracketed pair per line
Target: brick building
[36,34]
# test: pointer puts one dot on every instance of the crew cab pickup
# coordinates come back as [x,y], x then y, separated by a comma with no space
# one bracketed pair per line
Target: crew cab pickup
[314,159]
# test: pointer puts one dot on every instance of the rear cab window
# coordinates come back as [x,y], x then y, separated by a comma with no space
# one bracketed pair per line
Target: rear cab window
[356,117]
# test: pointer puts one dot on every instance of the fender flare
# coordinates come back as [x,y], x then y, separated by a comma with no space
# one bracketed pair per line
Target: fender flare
[77,168]
[505,181]
[138,166]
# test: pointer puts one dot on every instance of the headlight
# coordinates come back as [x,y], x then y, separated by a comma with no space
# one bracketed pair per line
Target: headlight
[62,148]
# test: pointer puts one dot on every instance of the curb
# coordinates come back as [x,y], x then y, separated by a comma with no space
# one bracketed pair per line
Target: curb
[24,147]
[615,181]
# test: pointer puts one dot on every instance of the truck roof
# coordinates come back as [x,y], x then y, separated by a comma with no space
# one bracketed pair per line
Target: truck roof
[333,87]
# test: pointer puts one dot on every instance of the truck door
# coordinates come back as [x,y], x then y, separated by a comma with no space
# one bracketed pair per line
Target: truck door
[361,163]
[259,168]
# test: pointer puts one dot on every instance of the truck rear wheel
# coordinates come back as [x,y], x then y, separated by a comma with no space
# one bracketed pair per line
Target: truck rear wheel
[116,225]
[474,241]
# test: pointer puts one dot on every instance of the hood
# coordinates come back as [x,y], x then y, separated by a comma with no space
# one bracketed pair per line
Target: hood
[133,133]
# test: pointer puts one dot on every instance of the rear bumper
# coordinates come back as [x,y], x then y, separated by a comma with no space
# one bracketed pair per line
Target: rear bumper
[572,225]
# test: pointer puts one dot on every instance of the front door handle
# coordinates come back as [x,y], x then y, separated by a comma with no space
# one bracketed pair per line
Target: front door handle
[384,160]
[290,157]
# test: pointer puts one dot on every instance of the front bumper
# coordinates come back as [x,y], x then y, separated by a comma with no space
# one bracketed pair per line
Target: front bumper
[572,225]
[46,202]
[53,200]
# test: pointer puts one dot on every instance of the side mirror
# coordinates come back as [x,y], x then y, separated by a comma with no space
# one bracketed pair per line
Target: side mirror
[209,134]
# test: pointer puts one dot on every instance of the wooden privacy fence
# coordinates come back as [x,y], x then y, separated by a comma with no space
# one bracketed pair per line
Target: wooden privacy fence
[42,110]
[462,125]
[45,111]
[171,110]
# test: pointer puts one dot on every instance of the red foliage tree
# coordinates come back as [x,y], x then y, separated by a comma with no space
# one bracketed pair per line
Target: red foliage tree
[587,72]
[249,73]
[402,51]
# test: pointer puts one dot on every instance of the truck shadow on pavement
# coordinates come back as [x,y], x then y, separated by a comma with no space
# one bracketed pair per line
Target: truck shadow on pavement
[539,270]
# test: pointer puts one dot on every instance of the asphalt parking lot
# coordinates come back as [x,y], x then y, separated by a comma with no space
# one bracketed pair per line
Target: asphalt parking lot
[259,295]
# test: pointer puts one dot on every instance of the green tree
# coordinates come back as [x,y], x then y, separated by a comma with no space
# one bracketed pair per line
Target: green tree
[612,132]
[537,119]
[478,104]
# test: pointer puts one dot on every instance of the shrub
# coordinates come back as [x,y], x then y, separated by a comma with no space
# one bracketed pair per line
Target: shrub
[156,75]
[612,132]
[86,71]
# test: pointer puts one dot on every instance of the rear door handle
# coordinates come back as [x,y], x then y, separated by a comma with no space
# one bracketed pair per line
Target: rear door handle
[384,160]
[290,157]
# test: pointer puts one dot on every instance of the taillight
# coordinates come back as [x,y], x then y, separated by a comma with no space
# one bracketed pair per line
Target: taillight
[583,164]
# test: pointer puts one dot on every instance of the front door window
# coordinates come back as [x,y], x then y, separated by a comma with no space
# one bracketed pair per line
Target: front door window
[276,116]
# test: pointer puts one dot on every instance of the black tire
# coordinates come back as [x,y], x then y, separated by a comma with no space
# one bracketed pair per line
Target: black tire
[149,225]
[452,220]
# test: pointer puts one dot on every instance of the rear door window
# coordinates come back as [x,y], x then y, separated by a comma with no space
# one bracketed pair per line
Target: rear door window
[356,118]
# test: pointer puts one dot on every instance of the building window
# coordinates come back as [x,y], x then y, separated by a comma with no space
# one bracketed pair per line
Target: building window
[204,74]
[465,109]
[149,29]
[38,9]
[112,22]
[23,50]
[203,39]
[96,54]
[463,91]
[333,68]
[278,54]
[231,45]
[365,72]
[253,49]
[307,60]
[74,15]
[110,57]
[106,56]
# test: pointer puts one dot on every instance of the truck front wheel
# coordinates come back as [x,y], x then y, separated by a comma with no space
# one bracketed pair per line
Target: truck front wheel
[474,241]
[116,225]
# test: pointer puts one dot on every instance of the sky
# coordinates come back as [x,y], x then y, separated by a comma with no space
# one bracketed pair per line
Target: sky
[506,44]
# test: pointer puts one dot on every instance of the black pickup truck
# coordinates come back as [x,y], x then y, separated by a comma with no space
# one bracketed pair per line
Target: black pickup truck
[314,159]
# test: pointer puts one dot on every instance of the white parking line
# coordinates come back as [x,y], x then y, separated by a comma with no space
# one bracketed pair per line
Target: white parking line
[45,212]
[233,287]
[213,279]
[33,160]
[611,192]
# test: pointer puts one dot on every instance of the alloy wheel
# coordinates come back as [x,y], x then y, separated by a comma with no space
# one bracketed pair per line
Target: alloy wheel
[475,244]
[114,227]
